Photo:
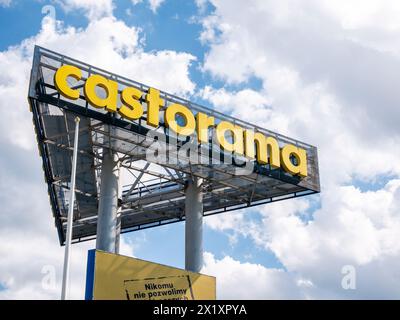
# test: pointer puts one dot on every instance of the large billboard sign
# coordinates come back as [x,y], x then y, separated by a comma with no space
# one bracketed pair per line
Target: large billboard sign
[155,134]
[116,277]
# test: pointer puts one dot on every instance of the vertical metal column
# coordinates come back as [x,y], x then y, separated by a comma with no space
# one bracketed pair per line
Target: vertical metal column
[118,231]
[70,218]
[119,219]
[194,225]
[108,203]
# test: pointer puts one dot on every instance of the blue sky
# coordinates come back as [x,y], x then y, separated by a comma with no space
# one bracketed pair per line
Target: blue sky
[320,71]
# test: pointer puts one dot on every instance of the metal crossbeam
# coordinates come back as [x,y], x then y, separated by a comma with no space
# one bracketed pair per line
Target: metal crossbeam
[136,181]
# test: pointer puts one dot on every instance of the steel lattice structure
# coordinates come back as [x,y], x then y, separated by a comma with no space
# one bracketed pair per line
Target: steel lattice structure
[143,204]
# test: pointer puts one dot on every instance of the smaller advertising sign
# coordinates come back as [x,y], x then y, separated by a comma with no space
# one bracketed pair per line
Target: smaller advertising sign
[116,277]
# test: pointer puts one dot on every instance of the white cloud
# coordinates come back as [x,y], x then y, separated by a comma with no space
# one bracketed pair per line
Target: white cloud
[301,45]
[229,103]
[155,4]
[353,225]
[312,86]
[351,228]
[28,238]
[201,5]
[32,257]
[324,80]
[5,3]
[357,14]
[237,280]
[94,9]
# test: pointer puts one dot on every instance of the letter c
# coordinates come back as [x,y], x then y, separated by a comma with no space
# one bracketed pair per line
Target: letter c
[61,84]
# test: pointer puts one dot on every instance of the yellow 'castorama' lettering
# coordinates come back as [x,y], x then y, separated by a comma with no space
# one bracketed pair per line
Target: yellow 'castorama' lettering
[231,137]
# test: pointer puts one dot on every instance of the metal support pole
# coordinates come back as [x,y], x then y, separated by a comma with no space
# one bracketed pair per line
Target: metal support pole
[194,225]
[118,231]
[119,219]
[108,203]
[70,219]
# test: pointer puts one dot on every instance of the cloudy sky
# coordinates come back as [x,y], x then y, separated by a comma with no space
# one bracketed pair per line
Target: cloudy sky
[325,72]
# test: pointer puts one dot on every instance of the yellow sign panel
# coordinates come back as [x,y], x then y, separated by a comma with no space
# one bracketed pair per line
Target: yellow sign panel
[116,277]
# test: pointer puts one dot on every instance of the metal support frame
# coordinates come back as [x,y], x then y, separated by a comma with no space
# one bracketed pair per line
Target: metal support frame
[144,205]
[108,203]
[118,231]
[137,180]
[194,225]
[65,281]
